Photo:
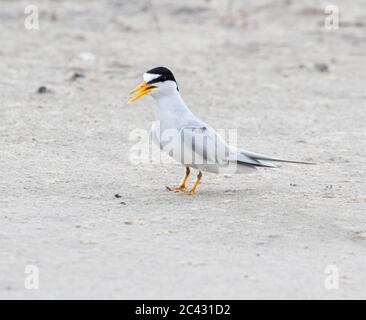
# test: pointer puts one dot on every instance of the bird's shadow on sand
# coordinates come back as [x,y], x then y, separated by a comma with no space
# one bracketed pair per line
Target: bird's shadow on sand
[219,194]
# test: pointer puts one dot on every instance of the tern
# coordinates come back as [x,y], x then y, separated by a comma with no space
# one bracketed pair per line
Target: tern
[189,140]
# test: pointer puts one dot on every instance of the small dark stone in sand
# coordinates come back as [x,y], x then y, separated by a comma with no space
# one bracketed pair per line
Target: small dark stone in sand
[117,195]
[42,89]
[124,203]
[77,75]
[321,67]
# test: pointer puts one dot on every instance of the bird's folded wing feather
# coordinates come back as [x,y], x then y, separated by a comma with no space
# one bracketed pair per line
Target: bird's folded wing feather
[205,142]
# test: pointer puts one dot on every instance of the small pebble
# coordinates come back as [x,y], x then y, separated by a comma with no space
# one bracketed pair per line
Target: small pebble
[77,75]
[42,89]
[321,67]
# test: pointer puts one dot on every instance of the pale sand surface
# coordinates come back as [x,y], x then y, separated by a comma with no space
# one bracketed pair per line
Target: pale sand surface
[65,153]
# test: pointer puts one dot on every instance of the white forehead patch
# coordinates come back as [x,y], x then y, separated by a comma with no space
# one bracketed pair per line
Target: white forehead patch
[150,76]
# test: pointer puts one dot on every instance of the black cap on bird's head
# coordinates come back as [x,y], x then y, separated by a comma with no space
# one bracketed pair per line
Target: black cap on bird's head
[160,78]
[162,73]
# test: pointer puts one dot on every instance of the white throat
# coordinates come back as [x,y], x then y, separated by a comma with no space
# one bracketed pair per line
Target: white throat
[171,109]
[171,102]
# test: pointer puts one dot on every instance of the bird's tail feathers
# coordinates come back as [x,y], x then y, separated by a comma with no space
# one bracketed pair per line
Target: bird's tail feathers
[258,156]
[257,164]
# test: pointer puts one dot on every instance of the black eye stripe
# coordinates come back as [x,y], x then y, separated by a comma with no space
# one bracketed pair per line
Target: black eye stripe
[161,79]
[158,79]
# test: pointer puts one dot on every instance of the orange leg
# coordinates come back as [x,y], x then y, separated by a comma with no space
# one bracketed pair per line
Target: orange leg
[190,192]
[182,185]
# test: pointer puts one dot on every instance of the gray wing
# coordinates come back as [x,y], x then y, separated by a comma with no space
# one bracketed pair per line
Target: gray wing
[203,139]
[210,148]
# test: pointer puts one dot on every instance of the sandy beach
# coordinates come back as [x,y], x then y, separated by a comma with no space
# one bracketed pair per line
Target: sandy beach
[97,226]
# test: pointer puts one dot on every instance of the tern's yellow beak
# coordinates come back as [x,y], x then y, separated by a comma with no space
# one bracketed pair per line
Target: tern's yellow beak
[140,90]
